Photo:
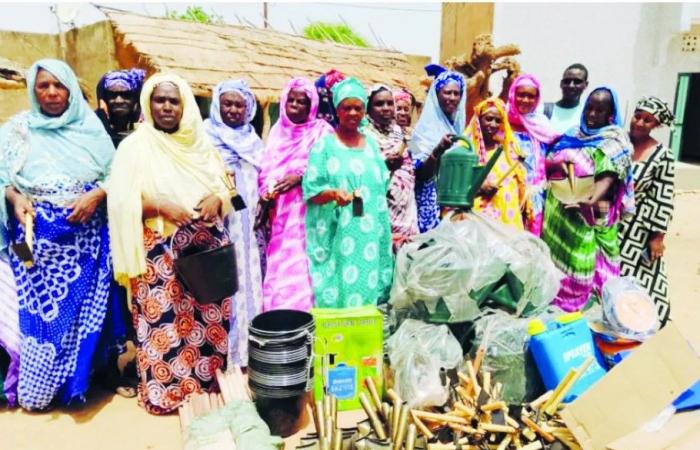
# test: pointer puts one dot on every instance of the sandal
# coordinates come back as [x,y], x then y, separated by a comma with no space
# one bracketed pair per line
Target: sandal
[125,391]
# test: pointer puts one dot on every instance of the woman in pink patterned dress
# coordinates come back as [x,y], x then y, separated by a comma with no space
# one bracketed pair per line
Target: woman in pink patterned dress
[287,283]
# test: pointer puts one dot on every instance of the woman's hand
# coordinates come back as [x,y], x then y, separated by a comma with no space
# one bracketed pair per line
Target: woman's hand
[287,183]
[85,205]
[394,161]
[20,203]
[444,144]
[656,247]
[174,213]
[209,208]
[488,189]
[342,197]
[339,196]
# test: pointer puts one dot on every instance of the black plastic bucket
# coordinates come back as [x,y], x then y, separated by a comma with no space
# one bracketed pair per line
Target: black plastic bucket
[210,275]
[280,361]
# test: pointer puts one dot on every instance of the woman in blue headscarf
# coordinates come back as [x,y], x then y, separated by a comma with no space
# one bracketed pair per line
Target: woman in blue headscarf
[233,106]
[582,233]
[443,117]
[54,159]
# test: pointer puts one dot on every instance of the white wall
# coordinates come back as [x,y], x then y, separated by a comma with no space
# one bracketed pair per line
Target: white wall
[632,47]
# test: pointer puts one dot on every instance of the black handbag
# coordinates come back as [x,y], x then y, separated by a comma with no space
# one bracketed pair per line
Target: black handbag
[210,275]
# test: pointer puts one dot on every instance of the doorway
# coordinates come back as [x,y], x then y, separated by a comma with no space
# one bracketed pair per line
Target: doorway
[685,138]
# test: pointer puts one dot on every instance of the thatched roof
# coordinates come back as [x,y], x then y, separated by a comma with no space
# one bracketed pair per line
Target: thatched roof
[11,75]
[206,54]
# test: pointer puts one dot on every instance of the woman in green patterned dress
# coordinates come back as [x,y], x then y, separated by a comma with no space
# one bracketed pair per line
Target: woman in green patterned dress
[347,217]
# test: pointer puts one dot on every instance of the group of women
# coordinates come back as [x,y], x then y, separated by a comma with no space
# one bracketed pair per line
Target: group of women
[316,213]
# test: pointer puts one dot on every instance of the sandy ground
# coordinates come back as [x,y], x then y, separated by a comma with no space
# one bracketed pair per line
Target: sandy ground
[111,422]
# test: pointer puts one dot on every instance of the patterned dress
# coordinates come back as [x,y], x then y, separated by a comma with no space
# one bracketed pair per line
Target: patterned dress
[401,196]
[536,180]
[654,183]
[180,342]
[351,259]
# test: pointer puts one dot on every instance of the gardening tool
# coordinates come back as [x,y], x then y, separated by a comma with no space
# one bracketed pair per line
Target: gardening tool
[23,250]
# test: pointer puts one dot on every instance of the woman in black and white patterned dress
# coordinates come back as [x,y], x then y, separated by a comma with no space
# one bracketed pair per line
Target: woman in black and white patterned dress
[642,235]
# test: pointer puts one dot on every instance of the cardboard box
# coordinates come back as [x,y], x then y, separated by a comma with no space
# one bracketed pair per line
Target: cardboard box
[353,340]
[611,414]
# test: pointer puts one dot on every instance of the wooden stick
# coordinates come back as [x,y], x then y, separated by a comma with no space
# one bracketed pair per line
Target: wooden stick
[393,396]
[464,378]
[472,379]
[486,382]
[411,437]
[320,420]
[504,443]
[538,429]
[512,422]
[569,375]
[421,426]
[479,358]
[374,395]
[373,418]
[493,428]
[494,406]
[465,409]
[403,424]
[537,445]
[433,417]
[554,404]
[463,428]
[539,401]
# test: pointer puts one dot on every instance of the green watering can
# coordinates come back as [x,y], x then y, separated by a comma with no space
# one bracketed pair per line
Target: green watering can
[460,176]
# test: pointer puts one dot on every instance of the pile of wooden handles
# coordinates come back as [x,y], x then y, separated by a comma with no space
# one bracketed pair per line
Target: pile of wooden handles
[233,387]
[325,416]
[477,416]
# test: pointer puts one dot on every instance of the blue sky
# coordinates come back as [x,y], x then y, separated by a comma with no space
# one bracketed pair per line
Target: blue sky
[407,27]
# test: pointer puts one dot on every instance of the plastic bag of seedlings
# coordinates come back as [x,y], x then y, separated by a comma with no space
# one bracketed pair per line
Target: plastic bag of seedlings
[504,339]
[628,310]
[441,276]
[417,352]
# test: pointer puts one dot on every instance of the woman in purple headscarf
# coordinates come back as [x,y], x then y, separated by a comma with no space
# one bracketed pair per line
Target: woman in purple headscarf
[233,106]
[287,281]
[118,102]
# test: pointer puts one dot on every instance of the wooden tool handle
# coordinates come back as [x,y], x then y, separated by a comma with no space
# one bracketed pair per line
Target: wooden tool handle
[29,230]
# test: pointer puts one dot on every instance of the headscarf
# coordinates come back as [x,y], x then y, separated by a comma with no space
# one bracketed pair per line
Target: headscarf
[402,95]
[349,88]
[535,123]
[510,146]
[288,143]
[183,167]
[657,108]
[383,129]
[132,80]
[433,124]
[323,85]
[80,149]
[234,143]
[612,140]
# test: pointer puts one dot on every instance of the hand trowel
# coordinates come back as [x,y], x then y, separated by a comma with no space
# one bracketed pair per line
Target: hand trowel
[23,250]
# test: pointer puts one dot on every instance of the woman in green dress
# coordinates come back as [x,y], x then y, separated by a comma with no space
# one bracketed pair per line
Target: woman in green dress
[347,217]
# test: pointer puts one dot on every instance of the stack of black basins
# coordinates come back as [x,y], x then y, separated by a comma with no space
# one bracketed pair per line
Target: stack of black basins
[280,367]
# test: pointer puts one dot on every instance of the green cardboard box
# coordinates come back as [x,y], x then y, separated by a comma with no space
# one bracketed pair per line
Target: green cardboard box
[351,340]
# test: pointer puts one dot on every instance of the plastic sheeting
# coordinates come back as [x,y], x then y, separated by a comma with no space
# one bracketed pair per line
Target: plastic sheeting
[628,310]
[417,352]
[456,259]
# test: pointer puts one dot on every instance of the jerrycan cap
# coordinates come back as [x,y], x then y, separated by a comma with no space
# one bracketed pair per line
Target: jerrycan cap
[569,317]
[535,327]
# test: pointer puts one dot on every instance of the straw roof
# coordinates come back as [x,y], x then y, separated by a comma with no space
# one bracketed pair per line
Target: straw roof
[206,54]
[11,75]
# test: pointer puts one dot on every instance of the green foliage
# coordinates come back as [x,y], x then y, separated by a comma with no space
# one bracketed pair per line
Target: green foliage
[196,14]
[334,32]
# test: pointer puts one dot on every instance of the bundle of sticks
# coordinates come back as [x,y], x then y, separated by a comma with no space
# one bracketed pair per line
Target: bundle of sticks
[325,417]
[233,387]
[474,418]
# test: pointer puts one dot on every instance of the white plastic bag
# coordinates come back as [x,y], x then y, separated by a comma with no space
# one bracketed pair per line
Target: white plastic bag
[628,310]
[417,352]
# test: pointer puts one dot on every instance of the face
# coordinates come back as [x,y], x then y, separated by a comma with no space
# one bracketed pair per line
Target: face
[491,123]
[599,110]
[350,112]
[449,97]
[233,109]
[166,107]
[381,107]
[642,123]
[120,102]
[298,106]
[51,94]
[573,83]
[403,113]
[526,99]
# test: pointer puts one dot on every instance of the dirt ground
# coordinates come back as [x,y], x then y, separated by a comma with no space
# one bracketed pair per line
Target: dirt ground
[110,422]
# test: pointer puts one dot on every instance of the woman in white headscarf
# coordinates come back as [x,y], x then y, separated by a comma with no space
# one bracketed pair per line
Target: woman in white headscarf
[233,106]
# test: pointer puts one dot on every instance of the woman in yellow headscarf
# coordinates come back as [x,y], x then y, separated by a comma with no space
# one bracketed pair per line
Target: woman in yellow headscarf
[168,191]
[503,194]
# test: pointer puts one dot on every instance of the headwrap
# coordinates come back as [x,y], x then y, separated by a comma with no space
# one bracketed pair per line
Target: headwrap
[349,88]
[234,143]
[433,70]
[510,146]
[535,123]
[433,124]
[182,167]
[131,80]
[448,76]
[323,85]
[288,143]
[80,149]
[613,141]
[657,108]
[378,87]
[401,95]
